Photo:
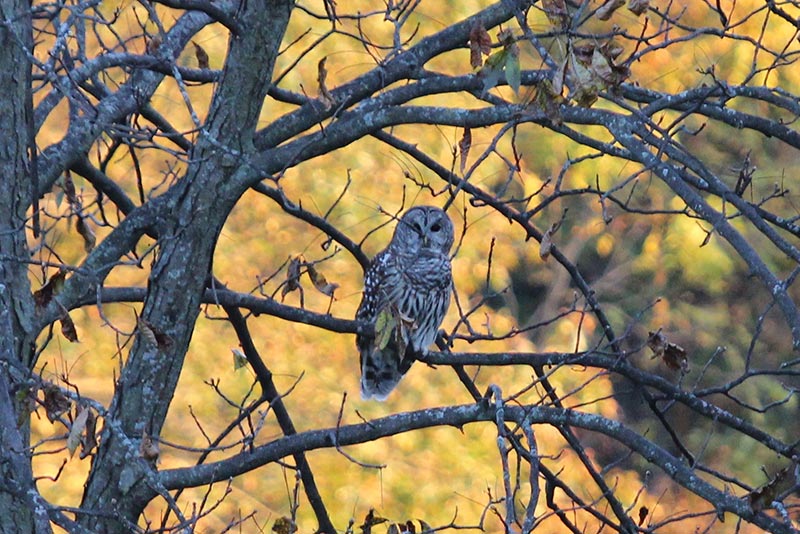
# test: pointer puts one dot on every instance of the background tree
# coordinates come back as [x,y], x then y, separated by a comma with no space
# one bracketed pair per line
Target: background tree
[624,329]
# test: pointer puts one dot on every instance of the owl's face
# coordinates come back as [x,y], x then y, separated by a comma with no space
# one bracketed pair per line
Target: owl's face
[423,228]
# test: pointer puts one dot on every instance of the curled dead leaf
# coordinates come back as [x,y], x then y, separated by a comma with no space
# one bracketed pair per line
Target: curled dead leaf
[89,437]
[463,148]
[68,328]
[148,448]
[674,356]
[783,481]
[320,282]
[324,94]
[86,232]
[284,525]
[480,44]
[51,288]
[292,282]
[55,402]
[201,55]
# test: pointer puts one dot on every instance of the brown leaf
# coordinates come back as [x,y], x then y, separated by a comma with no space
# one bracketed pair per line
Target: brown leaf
[674,356]
[148,448]
[284,525]
[643,511]
[86,232]
[153,335]
[370,521]
[153,44]
[557,14]
[606,10]
[546,245]
[69,191]
[425,528]
[479,44]
[51,288]
[324,94]
[55,402]
[89,438]
[76,430]
[763,497]
[548,101]
[463,147]
[292,281]
[201,55]
[68,328]
[637,7]
[320,283]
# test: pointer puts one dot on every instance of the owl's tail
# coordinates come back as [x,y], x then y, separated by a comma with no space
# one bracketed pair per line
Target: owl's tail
[381,371]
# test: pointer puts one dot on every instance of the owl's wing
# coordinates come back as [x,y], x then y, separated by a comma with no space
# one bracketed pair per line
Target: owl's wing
[382,367]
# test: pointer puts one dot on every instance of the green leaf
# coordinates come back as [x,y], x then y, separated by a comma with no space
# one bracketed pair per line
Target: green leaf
[513,75]
[239,359]
[384,327]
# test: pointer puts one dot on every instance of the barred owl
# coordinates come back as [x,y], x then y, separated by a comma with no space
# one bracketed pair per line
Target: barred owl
[406,290]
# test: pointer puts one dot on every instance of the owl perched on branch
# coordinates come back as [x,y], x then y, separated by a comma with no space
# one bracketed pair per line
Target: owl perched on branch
[406,295]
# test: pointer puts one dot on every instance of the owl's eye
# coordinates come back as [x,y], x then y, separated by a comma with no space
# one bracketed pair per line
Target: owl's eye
[436,227]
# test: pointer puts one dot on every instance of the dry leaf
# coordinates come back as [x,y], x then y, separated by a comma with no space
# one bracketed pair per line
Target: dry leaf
[370,521]
[86,232]
[51,288]
[89,437]
[292,282]
[68,328]
[76,430]
[673,356]
[152,335]
[153,44]
[463,148]
[637,7]
[239,359]
[548,101]
[479,44]
[763,497]
[148,448]
[55,402]
[557,14]
[324,94]
[320,283]
[201,55]
[284,525]
[69,191]
[546,245]
[606,10]
[643,511]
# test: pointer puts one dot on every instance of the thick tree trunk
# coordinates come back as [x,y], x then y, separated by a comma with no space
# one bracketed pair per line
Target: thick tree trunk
[18,510]
[120,479]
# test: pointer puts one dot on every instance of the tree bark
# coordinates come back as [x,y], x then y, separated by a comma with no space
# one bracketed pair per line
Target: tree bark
[120,478]
[17,334]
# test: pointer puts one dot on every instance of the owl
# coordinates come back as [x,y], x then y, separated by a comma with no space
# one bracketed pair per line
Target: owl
[406,295]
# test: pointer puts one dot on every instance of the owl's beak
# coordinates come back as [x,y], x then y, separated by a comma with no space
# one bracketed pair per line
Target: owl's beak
[426,241]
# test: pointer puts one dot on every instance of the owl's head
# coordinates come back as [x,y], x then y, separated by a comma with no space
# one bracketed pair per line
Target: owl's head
[423,228]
